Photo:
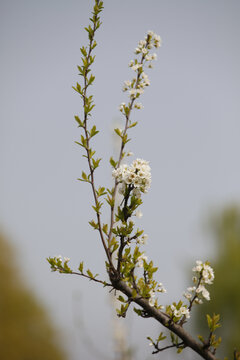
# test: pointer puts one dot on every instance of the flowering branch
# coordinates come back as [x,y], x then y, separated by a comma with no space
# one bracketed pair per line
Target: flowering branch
[128,268]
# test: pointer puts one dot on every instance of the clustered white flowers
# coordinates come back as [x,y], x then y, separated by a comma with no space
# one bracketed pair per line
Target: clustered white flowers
[150,41]
[135,87]
[204,275]
[183,311]
[138,174]
[142,239]
[160,289]
[65,259]
[151,300]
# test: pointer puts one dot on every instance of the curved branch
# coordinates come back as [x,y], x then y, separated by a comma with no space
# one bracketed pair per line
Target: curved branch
[162,318]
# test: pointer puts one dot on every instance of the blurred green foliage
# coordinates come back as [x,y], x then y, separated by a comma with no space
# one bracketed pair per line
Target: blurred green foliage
[26,333]
[225,292]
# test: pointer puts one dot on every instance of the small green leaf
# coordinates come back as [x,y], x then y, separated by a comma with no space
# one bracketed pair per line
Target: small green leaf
[118,132]
[83,51]
[90,273]
[84,176]
[132,125]
[113,163]
[201,339]
[79,121]
[105,229]
[81,267]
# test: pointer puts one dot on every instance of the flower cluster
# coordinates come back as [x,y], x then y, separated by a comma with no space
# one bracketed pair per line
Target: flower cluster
[205,270]
[142,240]
[138,174]
[135,87]
[150,41]
[204,275]
[65,259]
[160,289]
[182,311]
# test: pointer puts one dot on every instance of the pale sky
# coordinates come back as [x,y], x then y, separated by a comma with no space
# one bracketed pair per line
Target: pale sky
[189,130]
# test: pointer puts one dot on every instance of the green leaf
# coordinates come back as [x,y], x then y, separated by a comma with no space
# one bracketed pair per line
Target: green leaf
[105,229]
[121,298]
[118,132]
[138,312]
[161,337]
[90,274]
[81,124]
[201,339]
[94,224]
[132,125]
[91,79]
[95,163]
[83,51]
[84,176]
[110,201]
[93,131]
[113,163]
[81,267]
[101,191]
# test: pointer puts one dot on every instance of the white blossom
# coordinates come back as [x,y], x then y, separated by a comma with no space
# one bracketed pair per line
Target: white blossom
[135,67]
[143,239]
[150,33]
[178,313]
[136,193]
[205,293]
[138,214]
[140,260]
[207,274]
[122,107]
[204,275]
[198,301]
[185,312]
[152,298]
[129,153]
[138,106]
[187,295]
[137,174]
[161,288]
[191,289]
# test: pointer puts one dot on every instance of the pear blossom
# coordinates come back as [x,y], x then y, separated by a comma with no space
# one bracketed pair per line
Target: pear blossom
[178,313]
[152,298]
[205,293]
[161,288]
[137,174]
[141,259]
[138,106]
[138,214]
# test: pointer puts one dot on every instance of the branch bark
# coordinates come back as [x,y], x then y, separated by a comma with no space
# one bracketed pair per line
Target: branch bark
[163,319]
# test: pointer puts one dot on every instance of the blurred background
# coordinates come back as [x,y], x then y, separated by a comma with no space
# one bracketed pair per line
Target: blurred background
[189,130]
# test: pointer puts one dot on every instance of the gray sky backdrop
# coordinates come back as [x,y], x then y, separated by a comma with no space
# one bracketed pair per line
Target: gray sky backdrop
[189,130]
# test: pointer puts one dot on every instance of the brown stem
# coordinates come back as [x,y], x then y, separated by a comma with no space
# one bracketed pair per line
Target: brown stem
[166,347]
[93,279]
[88,152]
